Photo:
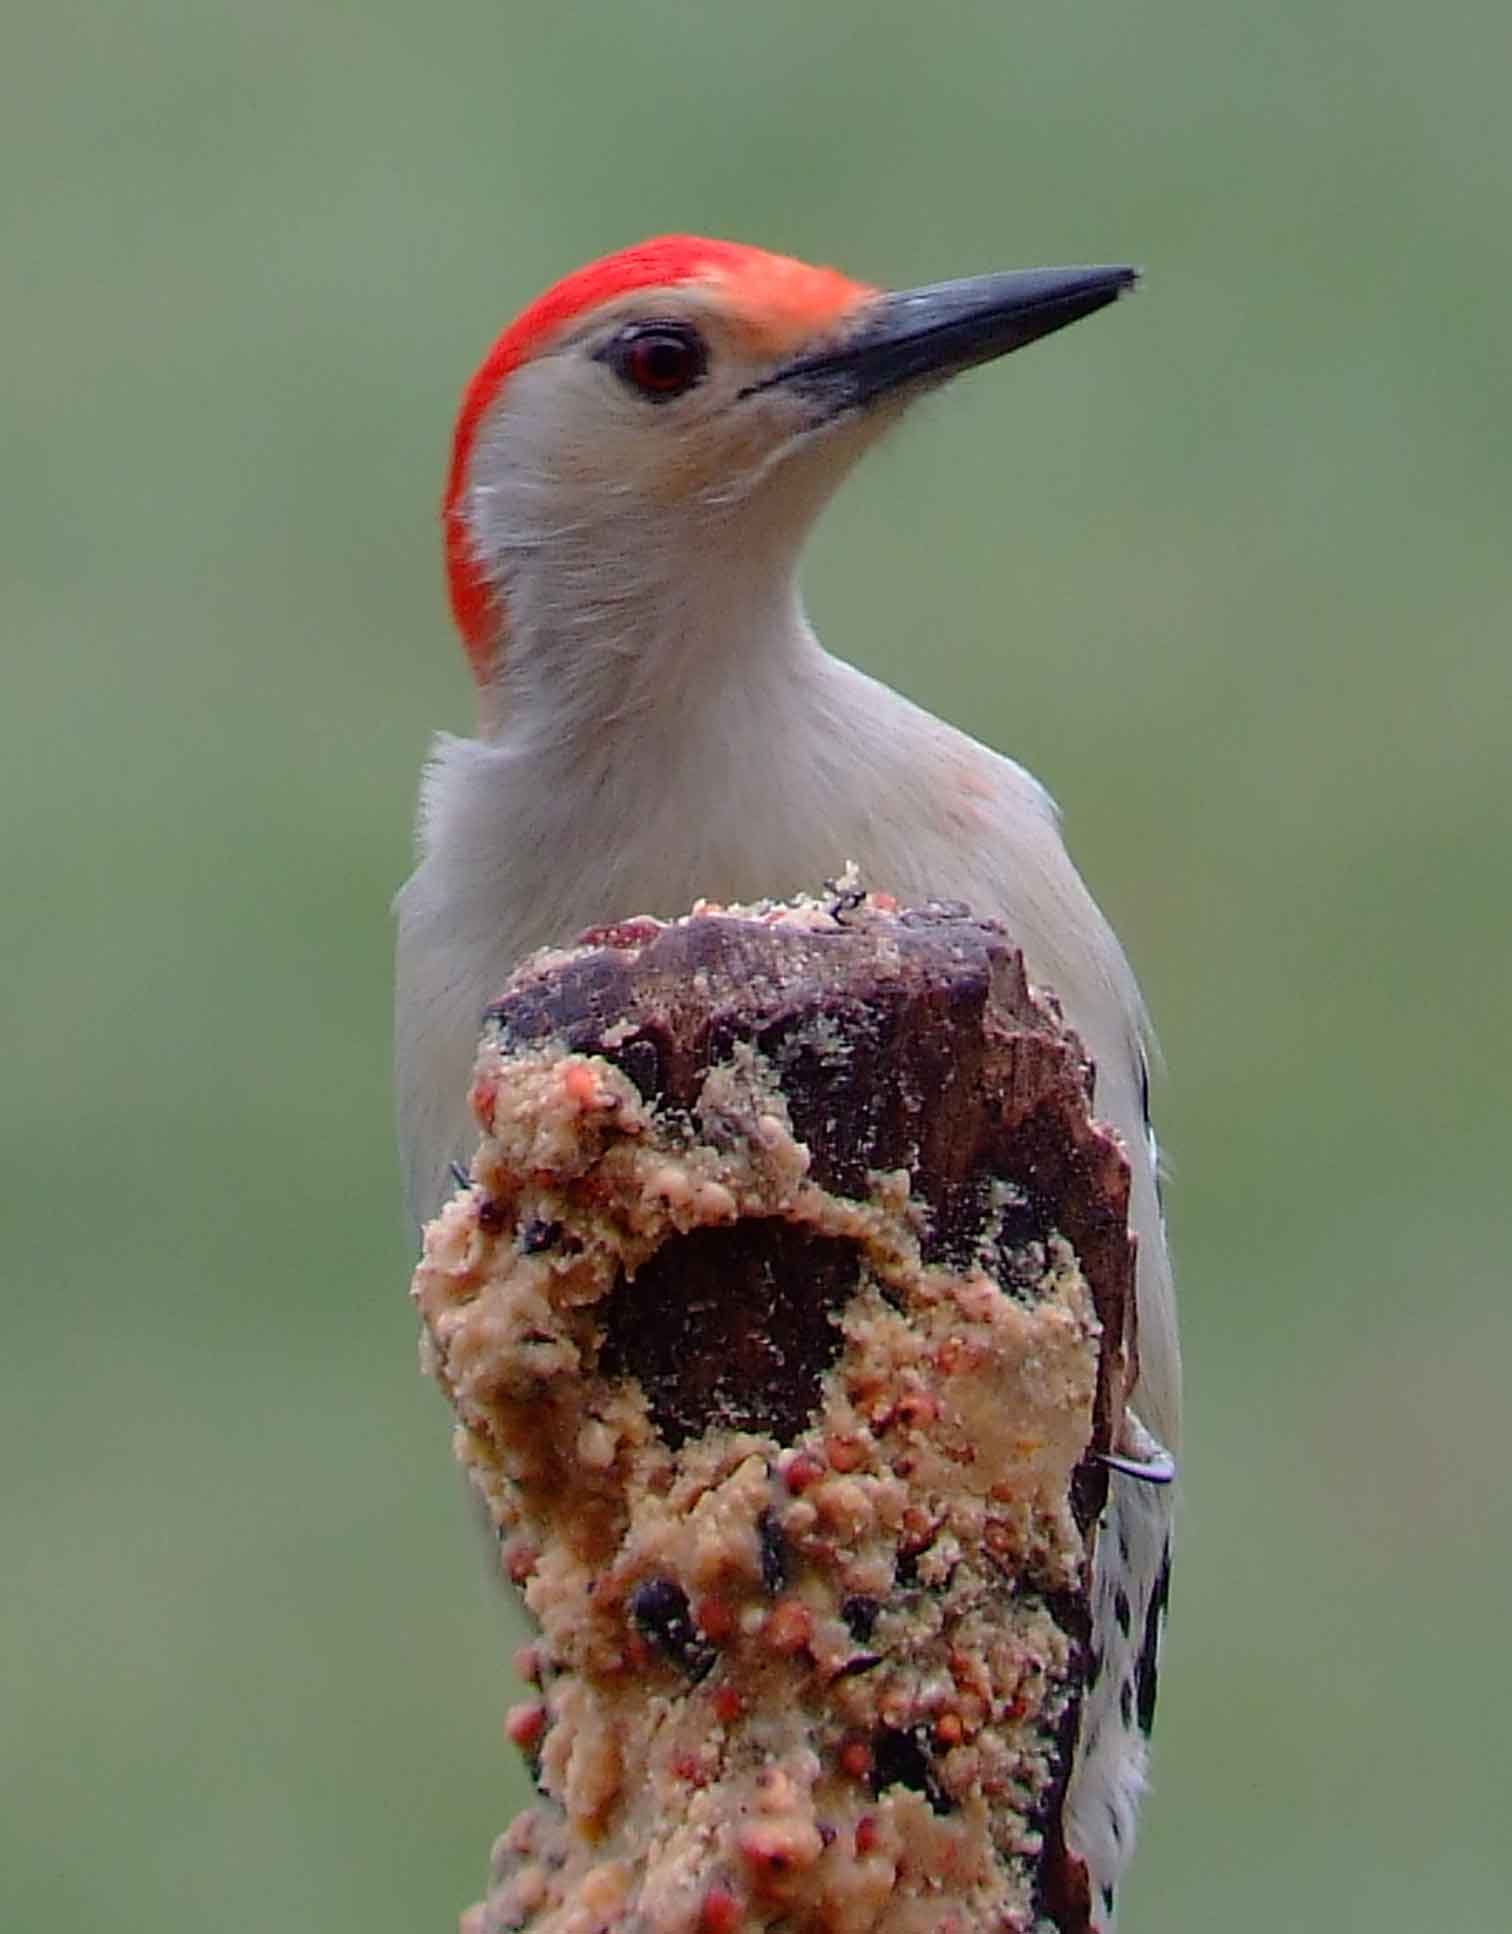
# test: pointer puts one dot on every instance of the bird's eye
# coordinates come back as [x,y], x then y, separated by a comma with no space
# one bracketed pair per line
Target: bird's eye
[658,359]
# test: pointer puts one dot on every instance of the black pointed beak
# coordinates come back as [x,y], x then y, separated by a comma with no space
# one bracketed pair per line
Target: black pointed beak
[926,335]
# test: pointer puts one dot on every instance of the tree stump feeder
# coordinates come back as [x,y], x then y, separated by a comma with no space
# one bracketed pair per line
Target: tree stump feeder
[784,1320]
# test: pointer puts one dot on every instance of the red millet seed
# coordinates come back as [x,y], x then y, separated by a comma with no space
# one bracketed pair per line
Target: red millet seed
[715,1617]
[802,1470]
[525,1723]
[855,1759]
[719,1911]
[866,1834]
[790,1626]
[621,933]
[948,1730]
[844,1453]
[728,1705]
[918,1526]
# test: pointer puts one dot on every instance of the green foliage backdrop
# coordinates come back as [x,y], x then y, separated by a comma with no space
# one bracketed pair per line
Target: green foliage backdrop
[1228,568]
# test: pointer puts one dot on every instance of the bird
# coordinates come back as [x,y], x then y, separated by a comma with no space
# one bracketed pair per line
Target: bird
[635,467]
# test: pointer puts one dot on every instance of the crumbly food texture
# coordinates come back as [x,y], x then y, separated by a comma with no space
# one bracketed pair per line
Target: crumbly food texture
[807,1668]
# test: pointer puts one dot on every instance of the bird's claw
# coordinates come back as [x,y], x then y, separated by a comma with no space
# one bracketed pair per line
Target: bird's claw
[1139,1455]
[1159,1469]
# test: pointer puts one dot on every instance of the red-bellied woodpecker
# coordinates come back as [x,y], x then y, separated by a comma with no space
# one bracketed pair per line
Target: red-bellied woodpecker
[637,463]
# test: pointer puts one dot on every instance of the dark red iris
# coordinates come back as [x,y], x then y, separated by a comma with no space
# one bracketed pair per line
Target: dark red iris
[660,359]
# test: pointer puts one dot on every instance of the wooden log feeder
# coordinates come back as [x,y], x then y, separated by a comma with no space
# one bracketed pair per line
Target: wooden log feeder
[784,1319]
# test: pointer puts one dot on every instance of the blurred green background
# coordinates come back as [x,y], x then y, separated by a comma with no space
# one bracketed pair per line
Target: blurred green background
[1229,569]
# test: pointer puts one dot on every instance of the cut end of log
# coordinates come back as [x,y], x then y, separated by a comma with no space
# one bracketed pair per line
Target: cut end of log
[784,1321]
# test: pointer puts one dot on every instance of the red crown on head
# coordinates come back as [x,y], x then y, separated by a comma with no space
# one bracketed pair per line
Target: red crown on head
[782,298]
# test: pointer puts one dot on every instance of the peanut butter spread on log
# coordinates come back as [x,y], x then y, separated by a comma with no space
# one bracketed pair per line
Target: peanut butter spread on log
[774,1322]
